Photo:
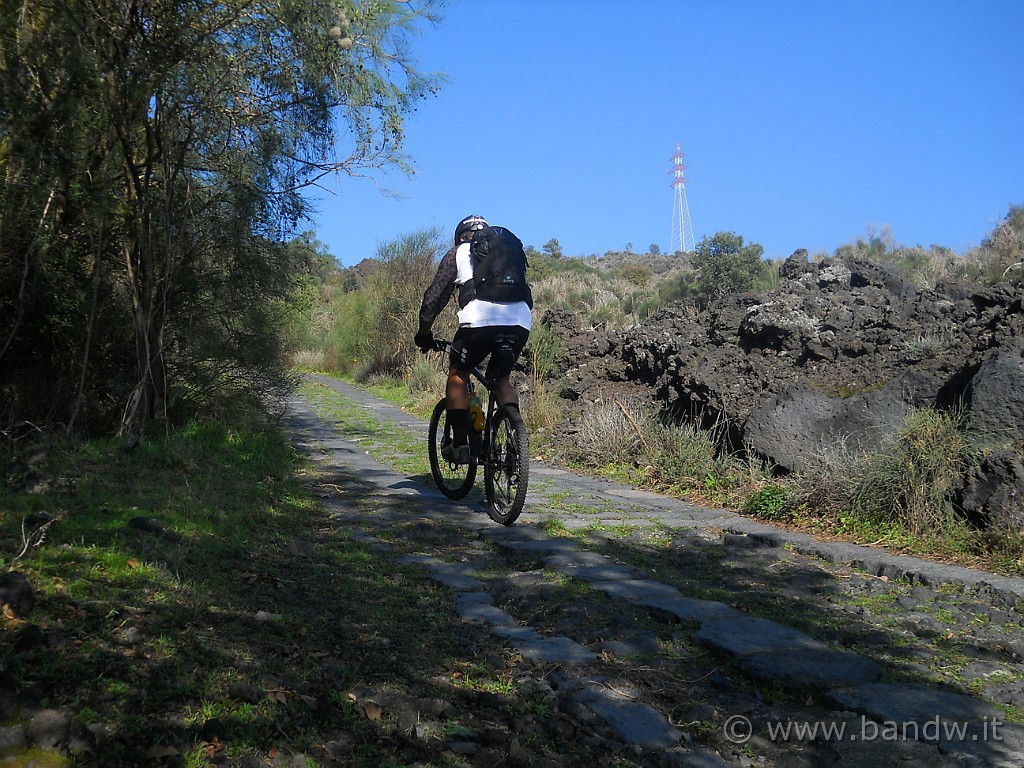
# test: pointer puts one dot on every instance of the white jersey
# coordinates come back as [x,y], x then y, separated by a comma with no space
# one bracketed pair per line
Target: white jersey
[479,313]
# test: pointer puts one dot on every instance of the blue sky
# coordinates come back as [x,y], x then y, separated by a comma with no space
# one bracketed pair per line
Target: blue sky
[804,124]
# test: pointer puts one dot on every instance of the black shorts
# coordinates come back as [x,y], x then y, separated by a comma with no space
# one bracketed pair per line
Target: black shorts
[503,343]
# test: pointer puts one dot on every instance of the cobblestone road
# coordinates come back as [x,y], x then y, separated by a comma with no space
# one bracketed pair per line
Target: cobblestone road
[881,659]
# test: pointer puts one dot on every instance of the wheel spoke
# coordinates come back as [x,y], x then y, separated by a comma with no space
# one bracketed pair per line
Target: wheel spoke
[453,480]
[506,473]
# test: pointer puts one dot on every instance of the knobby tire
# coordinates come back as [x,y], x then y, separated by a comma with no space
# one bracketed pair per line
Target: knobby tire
[453,480]
[507,468]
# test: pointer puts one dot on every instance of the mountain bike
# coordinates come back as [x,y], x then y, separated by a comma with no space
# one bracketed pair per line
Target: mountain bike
[502,448]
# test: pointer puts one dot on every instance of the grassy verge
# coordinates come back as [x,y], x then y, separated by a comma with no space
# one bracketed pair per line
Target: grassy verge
[193,606]
[755,584]
[197,605]
[895,498]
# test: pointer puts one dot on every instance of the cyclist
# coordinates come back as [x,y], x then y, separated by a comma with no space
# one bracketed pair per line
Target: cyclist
[498,329]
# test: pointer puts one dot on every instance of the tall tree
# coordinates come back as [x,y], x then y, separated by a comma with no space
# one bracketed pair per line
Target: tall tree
[725,265]
[155,157]
[553,248]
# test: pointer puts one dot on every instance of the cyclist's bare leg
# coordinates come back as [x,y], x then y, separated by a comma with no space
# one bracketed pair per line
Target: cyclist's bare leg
[507,394]
[456,392]
[457,402]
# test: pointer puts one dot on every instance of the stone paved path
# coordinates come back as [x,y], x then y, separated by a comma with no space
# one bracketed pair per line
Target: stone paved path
[877,717]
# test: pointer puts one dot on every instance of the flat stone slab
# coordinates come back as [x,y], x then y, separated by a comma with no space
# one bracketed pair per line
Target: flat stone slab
[361,537]
[591,573]
[641,644]
[479,608]
[635,722]
[537,545]
[577,559]
[580,558]
[456,577]
[474,598]
[746,635]
[636,589]
[518,634]
[12,738]
[424,560]
[811,669]
[545,650]
[689,608]
[891,703]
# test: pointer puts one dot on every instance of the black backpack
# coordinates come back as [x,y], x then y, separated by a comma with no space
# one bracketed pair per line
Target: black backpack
[499,267]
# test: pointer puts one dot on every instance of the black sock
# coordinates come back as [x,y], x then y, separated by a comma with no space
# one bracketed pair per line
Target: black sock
[459,421]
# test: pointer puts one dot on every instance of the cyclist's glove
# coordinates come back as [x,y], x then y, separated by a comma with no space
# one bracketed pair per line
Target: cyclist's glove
[424,339]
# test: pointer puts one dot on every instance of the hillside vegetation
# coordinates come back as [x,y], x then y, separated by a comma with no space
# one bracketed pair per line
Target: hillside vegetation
[361,325]
[362,320]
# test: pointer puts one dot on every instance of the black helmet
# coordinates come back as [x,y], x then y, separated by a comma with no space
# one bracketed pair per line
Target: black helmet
[469,224]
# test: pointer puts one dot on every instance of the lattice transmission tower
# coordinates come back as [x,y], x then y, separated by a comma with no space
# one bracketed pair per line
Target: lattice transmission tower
[682,229]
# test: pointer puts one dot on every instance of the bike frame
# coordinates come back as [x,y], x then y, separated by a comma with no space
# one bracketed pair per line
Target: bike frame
[503,452]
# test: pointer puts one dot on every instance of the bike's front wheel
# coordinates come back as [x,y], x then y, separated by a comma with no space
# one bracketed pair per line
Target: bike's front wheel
[507,467]
[454,480]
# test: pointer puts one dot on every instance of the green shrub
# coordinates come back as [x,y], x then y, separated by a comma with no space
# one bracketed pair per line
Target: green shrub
[827,484]
[368,328]
[427,374]
[909,481]
[685,456]
[678,458]
[638,274]
[543,349]
[768,503]
[725,265]
[925,347]
[543,410]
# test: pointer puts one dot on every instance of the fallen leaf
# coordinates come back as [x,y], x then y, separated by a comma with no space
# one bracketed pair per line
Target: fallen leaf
[213,747]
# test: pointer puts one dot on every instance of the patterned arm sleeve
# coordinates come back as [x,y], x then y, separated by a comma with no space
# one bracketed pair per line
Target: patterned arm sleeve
[440,290]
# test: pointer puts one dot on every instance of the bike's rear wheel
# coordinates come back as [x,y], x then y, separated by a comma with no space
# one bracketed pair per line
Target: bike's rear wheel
[454,480]
[507,469]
